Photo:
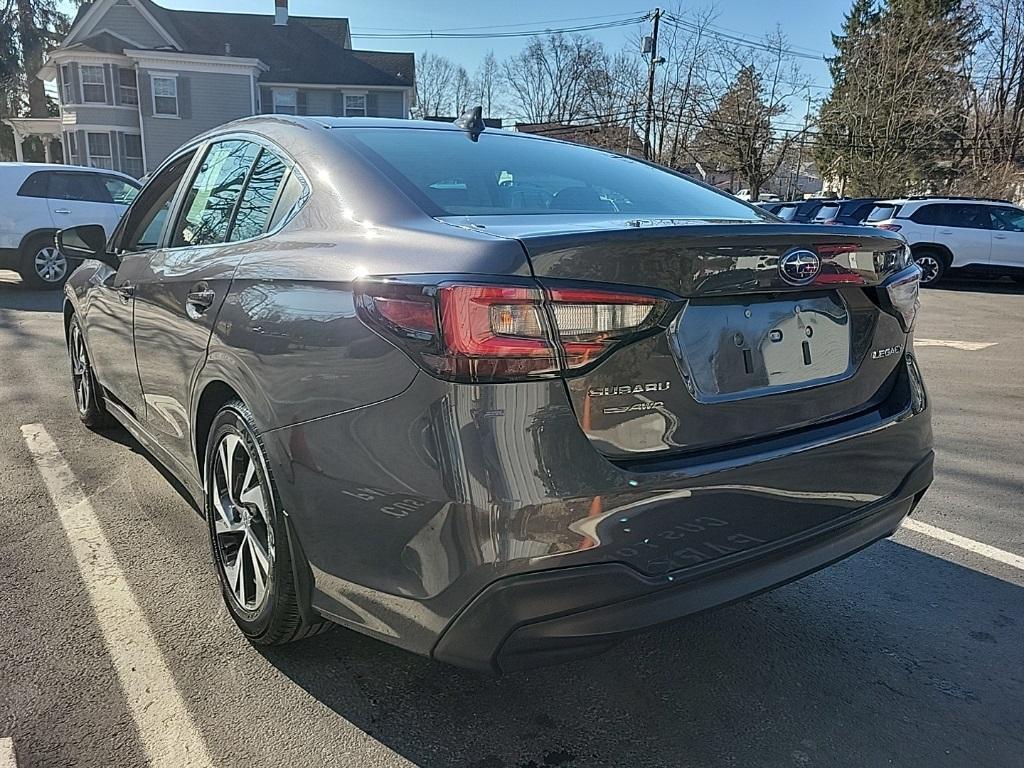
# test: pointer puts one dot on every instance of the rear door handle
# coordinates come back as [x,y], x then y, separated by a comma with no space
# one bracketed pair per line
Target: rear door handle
[998,237]
[65,211]
[198,300]
[945,231]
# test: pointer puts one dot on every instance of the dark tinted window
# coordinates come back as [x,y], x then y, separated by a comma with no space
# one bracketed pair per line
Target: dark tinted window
[85,187]
[883,211]
[147,216]
[289,196]
[862,211]
[507,174]
[210,202]
[35,185]
[1008,219]
[260,193]
[826,212]
[933,214]
[969,216]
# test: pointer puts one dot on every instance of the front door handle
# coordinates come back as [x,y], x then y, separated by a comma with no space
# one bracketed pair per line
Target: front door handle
[998,237]
[198,300]
[125,292]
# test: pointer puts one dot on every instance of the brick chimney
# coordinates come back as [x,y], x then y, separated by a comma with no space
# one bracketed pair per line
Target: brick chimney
[280,13]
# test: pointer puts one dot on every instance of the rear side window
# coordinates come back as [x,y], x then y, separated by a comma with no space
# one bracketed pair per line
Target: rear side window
[827,212]
[35,185]
[291,194]
[931,214]
[968,216]
[210,202]
[256,202]
[862,211]
[505,174]
[884,211]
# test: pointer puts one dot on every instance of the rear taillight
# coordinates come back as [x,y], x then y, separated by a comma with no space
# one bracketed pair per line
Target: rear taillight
[831,221]
[889,227]
[495,332]
[901,295]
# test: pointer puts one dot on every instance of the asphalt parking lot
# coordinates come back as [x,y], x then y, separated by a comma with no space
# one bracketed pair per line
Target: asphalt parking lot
[910,653]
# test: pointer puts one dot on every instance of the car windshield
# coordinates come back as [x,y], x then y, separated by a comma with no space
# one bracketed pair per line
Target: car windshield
[883,212]
[503,174]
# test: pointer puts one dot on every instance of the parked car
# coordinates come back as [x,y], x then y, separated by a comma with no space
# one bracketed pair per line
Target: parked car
[954,233]
[800,211]
[850,212]
[763,197]
[36,200]
[425,392]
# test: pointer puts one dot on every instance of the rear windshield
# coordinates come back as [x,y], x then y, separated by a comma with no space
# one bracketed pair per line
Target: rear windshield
[501,173]
[883,212]
[827,212]
[786,212]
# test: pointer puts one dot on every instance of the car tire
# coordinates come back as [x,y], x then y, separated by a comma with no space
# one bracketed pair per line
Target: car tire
[42,267]
[251,550]
[88,395]
[933,265]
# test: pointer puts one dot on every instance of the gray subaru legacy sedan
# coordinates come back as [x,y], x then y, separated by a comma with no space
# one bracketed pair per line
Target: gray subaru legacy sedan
[497,399]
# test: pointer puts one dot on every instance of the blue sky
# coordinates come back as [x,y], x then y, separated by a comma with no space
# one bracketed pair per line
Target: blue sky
[807,23]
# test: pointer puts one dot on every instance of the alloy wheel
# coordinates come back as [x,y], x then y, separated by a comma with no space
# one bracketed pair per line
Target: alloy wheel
[81,376]
[930,268]
[243,536]
[50,264]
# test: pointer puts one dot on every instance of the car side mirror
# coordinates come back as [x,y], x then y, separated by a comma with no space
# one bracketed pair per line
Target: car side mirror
[88,241]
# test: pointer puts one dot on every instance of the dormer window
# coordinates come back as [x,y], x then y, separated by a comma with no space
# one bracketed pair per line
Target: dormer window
[94,85]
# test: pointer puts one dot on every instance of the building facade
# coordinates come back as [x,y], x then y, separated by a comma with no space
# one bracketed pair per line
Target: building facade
[136,80]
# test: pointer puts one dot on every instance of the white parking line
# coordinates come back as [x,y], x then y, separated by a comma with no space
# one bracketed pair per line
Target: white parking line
[967,346]
[166,730]
[985,550]
[7,757]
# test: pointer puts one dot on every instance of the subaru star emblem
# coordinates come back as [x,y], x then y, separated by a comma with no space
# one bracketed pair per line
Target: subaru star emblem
[799,267]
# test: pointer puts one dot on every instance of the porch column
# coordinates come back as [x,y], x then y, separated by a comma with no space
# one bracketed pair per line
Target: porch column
[47,154]
[19,153]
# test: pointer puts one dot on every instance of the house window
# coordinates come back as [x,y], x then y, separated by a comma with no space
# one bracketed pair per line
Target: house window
[165,96]
[100,155]
[94,85]
[355,106]
[285,102]
[66,86]
[132,155]
[71,142]
[128,86]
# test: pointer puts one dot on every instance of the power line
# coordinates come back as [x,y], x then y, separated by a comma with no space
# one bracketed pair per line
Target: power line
[641,13]
[438,35]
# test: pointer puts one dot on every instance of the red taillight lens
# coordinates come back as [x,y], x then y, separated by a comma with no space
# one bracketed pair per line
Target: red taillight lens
[831,221]
[484,332]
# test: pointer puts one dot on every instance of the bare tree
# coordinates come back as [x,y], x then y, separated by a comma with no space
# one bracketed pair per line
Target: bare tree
[435,79]
[486,83]
[552,78]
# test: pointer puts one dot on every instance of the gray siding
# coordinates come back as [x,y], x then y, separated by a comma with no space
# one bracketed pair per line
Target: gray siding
[205,101]
[318,102]
[90,115]
[388,104]
[126,21]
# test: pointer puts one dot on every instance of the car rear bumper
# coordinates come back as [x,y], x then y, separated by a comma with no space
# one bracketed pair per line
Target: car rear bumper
[537,619]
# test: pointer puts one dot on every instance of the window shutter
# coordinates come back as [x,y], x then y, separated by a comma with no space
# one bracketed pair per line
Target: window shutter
[372,109]
[184,98]
[266,101]
[300,103]
[117,150]
[338,104]
[112,84]
[76,84]
[145,94]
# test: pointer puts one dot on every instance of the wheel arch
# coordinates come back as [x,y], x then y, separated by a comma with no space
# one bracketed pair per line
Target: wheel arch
[939,248]
[214,396]
[33,234]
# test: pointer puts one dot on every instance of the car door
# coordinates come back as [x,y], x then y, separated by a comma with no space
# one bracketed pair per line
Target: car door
[82,197]
[177,299]
[1007,237]
[110,305]
[966,231]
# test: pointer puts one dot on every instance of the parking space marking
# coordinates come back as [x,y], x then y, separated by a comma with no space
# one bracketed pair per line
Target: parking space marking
[985,550]
[166,730]
[967,346]
[7,757]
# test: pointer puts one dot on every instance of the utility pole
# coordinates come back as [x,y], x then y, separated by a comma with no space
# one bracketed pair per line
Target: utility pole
[803,137]
[650,82]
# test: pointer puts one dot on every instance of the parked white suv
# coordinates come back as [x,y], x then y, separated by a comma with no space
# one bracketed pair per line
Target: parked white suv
[957,233]
[36,200]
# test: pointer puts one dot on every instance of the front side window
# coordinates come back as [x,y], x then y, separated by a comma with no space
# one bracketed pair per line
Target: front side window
[119,191]
[165,96]
[128,86]
[260,193]
[355,106]
[94,85]
[146,218]
[100,155]
[285,102]
[506,174]
[67,87]
[1007,219]
[210,202]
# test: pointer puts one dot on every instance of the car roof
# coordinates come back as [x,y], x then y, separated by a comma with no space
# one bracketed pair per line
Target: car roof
[27,168]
